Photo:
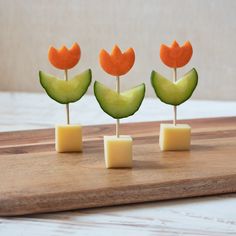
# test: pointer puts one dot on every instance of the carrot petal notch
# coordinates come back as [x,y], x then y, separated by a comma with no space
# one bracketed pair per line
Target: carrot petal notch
[176,56]
[64,58]
[117,63]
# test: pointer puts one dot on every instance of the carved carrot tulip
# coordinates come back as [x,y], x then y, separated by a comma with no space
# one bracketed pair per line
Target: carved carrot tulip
[176,56]
[117,63]
[64,58]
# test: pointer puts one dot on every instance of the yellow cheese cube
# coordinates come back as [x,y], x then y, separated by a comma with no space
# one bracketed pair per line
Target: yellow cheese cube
[174,137]
[68,138]
[118,151]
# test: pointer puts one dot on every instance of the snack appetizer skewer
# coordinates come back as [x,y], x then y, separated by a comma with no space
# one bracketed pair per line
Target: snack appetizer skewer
[117,104]
[68,137]
[175,136]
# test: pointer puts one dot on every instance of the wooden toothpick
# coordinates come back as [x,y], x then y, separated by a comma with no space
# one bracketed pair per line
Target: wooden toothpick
[175,107]
[67,105]
[117,120]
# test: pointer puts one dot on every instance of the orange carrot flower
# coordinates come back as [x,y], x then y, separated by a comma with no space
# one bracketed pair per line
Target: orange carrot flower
[64,58]
[176,56]
[117,63]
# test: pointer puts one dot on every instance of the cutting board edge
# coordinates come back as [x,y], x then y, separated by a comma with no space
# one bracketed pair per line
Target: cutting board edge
[118,196]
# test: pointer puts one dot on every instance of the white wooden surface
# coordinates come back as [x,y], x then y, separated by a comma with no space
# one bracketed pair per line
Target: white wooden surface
[211,216]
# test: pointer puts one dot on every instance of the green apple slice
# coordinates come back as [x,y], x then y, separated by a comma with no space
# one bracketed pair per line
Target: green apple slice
[174,93]
[63,91]
[119,105]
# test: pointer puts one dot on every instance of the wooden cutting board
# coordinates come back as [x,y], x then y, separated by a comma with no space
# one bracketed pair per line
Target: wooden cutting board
[34,178]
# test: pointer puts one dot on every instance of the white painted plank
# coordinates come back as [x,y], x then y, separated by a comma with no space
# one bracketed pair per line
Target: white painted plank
[30,111]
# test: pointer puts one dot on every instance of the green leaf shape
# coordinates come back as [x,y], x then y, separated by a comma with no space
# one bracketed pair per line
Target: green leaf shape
[64,91]
[174,93]
[118,105]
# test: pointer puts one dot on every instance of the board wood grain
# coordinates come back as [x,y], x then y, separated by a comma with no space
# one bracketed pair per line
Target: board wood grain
[34,178]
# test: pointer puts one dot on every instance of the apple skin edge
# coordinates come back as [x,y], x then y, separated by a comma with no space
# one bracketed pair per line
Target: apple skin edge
[168,96]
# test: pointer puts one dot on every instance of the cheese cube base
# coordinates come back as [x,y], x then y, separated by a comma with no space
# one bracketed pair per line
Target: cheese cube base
[68,138]
[174,137]
[118,151]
